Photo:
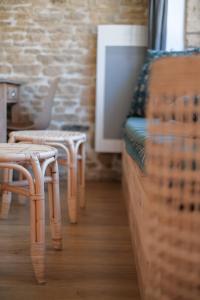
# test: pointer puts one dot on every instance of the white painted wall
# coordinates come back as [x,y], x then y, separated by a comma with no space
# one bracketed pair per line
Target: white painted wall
[176,25]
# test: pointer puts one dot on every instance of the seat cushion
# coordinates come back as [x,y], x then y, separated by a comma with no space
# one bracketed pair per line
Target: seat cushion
[135,134]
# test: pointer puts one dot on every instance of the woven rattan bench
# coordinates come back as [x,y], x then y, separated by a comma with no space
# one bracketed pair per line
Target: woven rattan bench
[164,201]
[73,145]
[41,159]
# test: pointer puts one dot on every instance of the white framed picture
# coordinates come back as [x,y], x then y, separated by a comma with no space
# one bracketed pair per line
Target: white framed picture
[120,54]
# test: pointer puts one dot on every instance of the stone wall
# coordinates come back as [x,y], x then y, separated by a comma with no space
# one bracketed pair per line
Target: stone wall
[193,23]
[43,39]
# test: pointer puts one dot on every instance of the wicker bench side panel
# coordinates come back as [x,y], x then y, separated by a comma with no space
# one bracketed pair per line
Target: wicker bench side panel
[173,170]
[135,195]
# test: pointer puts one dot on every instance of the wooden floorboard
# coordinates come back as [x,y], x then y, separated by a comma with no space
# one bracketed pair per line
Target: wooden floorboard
[96,262]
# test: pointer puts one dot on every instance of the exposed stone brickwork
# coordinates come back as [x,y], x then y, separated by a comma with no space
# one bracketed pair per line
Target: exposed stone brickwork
[43,39]
[193,23]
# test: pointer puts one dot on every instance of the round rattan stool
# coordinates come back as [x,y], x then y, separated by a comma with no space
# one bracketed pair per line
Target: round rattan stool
[72,145]
[41,159]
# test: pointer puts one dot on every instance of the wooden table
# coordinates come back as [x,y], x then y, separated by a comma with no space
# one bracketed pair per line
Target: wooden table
[9,93]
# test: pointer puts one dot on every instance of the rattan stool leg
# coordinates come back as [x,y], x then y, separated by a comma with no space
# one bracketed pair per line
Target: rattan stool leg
[6,196]
[37,227]
[72,191]
[81,172]
[54,206]
[21,199]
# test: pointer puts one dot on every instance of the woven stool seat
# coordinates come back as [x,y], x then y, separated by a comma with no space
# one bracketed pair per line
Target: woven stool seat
[22,152]
[72,143]
[36,165]
[49,135]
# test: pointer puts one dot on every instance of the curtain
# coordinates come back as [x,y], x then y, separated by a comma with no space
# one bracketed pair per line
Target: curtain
[157,24]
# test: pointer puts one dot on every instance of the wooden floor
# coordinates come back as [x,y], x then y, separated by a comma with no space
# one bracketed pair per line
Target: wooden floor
[96,262]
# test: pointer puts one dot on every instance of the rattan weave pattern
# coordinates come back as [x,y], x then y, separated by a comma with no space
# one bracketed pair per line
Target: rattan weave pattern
[173,170]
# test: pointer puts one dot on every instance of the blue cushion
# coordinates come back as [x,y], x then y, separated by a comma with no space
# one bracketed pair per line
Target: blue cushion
[135,134]
[140,94]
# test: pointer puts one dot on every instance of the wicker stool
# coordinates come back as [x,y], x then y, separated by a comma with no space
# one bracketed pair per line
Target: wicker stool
[40,158]
[73,146]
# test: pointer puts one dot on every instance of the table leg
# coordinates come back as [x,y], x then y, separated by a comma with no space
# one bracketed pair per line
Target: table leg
[3,113]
